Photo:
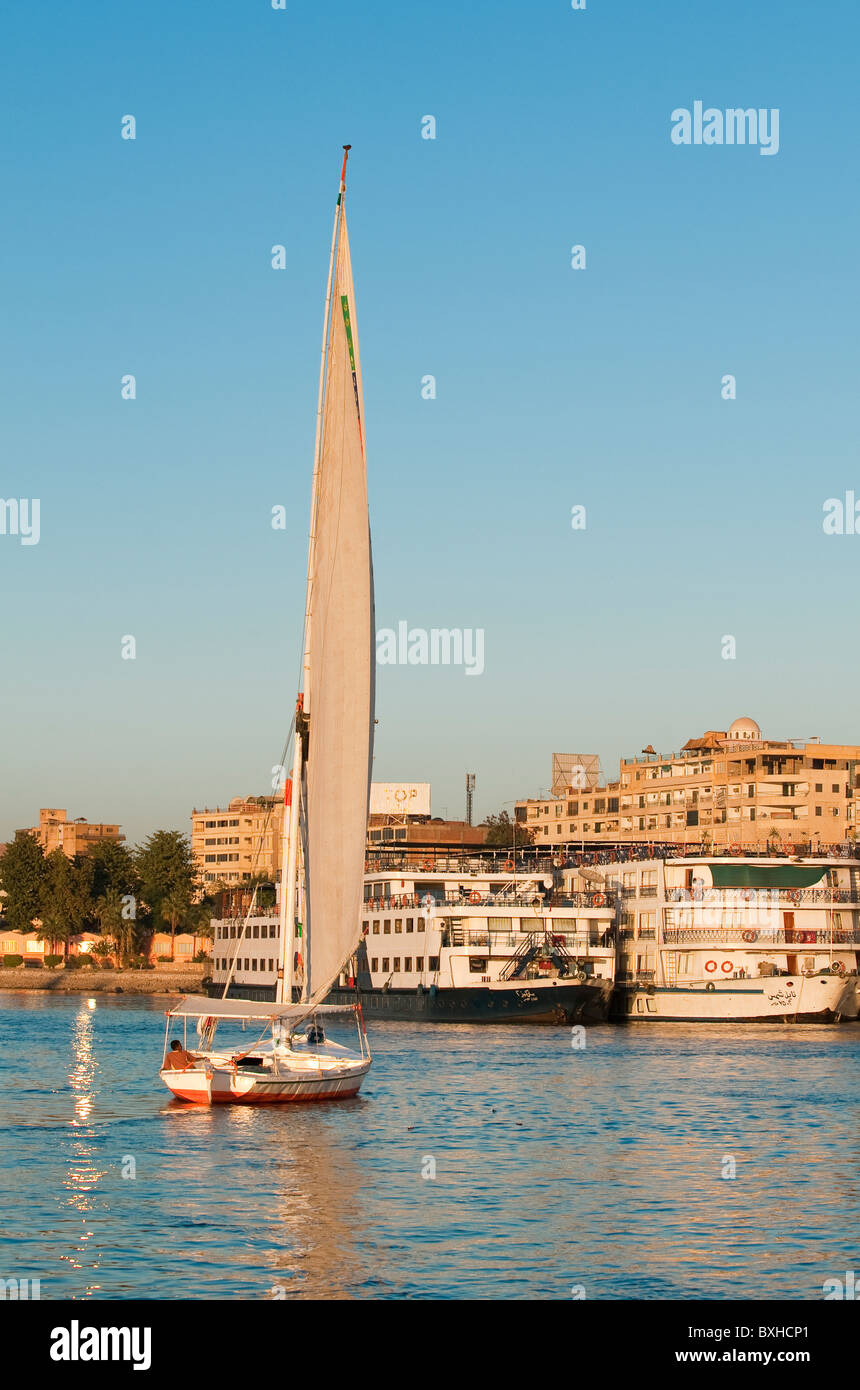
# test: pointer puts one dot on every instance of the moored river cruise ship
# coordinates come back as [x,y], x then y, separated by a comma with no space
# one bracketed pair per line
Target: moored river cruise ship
[467,944]
[737,939]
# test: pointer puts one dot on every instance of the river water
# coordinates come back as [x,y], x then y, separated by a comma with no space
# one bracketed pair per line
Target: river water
[477,1162]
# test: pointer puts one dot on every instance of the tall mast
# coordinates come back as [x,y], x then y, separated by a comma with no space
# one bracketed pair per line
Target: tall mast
[292,810]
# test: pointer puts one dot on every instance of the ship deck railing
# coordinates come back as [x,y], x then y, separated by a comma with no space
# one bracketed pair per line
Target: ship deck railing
[497,941]
[761,936]
[593,899]
[753,897]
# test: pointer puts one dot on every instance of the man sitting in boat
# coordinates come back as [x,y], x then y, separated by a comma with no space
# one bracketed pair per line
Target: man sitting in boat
[177,1058]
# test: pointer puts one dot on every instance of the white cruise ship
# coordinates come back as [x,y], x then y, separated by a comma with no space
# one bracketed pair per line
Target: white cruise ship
[735,939]
[479,945]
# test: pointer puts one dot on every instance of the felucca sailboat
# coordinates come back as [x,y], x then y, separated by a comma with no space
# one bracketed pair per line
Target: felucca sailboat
[326,799]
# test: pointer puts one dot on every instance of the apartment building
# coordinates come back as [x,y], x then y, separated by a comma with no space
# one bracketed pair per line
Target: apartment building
[56,831]
[240,841]
[724,789]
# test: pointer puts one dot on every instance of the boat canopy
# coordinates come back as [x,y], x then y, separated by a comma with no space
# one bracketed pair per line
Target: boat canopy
[766,875]
[199,1006]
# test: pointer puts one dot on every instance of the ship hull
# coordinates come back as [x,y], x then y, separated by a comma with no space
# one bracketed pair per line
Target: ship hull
[816,999]
[530,1001]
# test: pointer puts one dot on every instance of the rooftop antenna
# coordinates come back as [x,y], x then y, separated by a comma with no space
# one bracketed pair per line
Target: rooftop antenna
[470,787]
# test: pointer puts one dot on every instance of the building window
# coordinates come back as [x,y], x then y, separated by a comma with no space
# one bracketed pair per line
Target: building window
[818,810]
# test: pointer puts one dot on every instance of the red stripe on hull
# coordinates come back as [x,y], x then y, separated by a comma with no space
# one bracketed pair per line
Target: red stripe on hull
[225,1098]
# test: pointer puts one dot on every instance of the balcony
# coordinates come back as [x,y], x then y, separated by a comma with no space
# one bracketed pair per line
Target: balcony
[763,937]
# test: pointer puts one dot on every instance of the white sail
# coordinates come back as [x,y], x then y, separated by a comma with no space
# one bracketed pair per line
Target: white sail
[340,654]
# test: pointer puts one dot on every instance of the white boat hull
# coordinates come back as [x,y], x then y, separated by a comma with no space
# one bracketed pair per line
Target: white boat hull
[311,1075]
[800,999]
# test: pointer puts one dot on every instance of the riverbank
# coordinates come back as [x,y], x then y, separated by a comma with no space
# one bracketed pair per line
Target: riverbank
[185,979]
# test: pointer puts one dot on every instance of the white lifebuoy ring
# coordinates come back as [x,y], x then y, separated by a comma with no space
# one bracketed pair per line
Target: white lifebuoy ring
[474,897]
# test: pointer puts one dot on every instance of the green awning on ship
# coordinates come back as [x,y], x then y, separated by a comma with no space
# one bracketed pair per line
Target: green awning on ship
[765,875]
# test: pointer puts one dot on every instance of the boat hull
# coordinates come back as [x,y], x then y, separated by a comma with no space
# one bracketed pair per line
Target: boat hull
[802,999]
[224,1086]
[521,1001]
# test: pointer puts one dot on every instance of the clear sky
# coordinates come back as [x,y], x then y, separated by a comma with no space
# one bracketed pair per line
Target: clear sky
[555,387]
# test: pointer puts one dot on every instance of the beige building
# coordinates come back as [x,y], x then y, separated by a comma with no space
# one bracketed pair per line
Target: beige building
[56,831]
[240,841]
[724,789]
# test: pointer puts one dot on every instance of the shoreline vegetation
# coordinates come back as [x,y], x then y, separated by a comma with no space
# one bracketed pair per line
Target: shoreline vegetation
[181,980]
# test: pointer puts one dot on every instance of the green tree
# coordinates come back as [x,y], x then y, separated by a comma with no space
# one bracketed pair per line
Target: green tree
[116,923]
[68,896]
[168,877]
[114,869]
[23,875]
[501,832]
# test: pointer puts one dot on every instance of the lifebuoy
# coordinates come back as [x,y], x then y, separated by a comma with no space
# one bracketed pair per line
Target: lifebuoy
[650,851]
[597,900]
[509,864]
[428,864]
[710,966]
[839,967]
[749,936]
[795,895]
[748,894]
[726,966]
[734,849]
[474,897]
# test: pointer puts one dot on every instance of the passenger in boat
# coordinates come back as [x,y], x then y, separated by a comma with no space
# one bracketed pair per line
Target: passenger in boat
[315,1034]
[177,1058]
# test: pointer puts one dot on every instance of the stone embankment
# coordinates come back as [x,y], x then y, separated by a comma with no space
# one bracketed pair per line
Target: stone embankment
[165,979]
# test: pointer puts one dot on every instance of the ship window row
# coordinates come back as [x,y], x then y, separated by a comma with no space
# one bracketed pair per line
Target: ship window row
[398,925]
[388,968]
[266,931]
[250,963]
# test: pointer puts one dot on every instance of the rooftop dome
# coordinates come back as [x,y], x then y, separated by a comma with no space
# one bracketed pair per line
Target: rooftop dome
[744,729]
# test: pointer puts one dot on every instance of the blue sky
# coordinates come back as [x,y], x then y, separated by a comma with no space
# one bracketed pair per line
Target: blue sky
[555,387]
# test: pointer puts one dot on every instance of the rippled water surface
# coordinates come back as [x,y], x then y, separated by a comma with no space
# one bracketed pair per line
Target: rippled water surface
[554,1166]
